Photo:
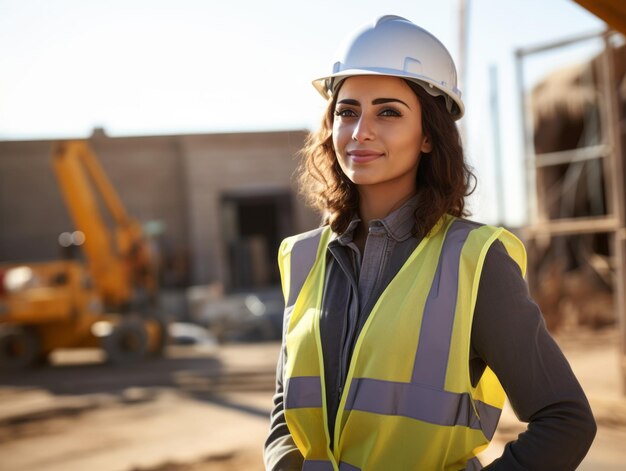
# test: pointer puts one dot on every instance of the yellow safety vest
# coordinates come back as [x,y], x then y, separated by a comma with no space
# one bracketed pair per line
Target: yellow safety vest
[408,402]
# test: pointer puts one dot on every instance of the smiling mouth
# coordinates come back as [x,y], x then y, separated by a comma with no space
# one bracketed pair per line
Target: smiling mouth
[360,157]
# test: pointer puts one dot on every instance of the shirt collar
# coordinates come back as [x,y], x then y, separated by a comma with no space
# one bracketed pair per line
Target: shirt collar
[399,224]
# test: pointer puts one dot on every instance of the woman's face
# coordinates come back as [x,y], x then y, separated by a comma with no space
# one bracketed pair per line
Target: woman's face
[377,131]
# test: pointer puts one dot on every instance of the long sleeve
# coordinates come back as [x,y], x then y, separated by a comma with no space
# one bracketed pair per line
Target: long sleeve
[510,336]
[280,452]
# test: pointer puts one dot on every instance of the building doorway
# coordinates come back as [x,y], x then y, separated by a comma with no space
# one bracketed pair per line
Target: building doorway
[254,224]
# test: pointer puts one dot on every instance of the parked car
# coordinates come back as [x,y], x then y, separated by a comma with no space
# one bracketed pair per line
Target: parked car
[244,317]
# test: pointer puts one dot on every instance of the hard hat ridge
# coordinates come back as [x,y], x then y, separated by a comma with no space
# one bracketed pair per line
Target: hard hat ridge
[396,47]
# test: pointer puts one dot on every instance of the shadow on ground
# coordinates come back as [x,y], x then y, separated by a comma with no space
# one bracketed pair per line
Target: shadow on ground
[204,379]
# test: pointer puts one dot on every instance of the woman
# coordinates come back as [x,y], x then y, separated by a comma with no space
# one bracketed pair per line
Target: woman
[404,322]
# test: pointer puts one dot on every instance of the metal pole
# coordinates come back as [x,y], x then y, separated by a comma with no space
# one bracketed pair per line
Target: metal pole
[527,140]
[525,51]
[497,150]
[463,16]
[463,21]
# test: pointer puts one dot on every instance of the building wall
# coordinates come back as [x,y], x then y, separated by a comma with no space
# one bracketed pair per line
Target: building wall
[215,165]
[177,180]
[32,214]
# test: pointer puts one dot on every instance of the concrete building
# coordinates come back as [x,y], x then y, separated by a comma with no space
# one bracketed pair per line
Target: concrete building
[218,204]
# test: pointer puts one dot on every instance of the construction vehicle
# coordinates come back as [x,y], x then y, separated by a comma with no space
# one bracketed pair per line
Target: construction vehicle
[107,301]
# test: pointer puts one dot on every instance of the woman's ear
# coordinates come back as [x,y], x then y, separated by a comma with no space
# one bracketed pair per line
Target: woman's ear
[427,146]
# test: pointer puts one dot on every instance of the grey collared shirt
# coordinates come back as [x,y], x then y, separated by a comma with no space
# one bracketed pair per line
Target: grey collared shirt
[508,334]
[360,280]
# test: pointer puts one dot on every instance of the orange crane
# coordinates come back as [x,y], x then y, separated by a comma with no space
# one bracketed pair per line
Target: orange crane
[109,302]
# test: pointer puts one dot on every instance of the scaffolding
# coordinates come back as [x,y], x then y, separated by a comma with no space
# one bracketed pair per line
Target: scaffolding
[599,161]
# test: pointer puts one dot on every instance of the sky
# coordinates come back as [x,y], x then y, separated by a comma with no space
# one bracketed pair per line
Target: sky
[138,67]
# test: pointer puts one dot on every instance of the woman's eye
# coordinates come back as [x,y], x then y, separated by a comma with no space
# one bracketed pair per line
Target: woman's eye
[390,112]
[345,113]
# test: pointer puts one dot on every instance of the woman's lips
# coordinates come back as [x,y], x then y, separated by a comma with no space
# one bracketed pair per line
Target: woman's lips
[363,156]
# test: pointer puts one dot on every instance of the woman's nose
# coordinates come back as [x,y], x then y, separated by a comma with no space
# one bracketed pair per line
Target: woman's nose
[363,130]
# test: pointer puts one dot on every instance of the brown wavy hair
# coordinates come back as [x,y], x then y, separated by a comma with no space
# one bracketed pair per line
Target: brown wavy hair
[443,177]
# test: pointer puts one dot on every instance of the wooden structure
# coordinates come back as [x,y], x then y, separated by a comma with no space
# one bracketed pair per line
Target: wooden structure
[592,215]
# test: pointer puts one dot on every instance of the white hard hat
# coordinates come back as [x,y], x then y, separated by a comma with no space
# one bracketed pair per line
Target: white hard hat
[396,47]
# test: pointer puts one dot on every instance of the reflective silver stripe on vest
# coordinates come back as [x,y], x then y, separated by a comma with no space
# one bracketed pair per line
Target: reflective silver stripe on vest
[404,399]
[303,391]
[431,358]
[489,417]
[412,401]
[303,255]
[343,466]
[317,465]
[473,465]
[323,465]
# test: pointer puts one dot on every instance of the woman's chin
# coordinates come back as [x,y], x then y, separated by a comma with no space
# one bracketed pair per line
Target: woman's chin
[364,178]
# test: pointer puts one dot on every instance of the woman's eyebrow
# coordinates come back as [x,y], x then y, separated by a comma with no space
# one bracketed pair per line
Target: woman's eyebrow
[349,101]
[377,101]
[382,101]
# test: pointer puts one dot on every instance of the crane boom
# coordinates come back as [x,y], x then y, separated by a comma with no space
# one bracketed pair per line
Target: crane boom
[119,262]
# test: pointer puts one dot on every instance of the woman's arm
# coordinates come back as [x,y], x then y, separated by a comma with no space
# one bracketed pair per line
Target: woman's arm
[510,336]
[280,452]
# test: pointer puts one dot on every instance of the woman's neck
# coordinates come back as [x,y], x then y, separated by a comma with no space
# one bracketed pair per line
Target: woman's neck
[376,202]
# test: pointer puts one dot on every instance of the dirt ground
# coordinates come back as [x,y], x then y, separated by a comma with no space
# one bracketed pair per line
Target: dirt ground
[199,410]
